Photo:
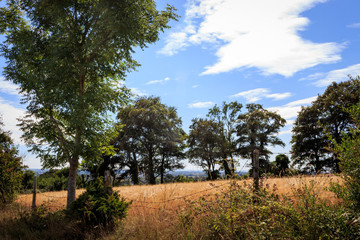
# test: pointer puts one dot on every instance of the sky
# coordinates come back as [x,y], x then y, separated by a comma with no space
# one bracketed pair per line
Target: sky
[278,53]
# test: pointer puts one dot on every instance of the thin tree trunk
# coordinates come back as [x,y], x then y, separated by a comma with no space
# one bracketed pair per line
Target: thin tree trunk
[74,163]
[209,171]
[162,169]
[134,170]
[151,174]
[232,165]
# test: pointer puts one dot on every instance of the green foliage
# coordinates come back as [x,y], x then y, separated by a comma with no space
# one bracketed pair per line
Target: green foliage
[182,178]
[27,180]
[348,151]
[69,59]
[56,180]
[96,207]
[328,111]
[151,139]
[20,223]
[280,166]
[10,168]
[238,213]
[226,117]
[205,142]
[257,129]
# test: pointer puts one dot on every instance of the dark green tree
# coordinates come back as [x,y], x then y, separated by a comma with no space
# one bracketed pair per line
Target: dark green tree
[348,153]
[151,138]
[308,141]
[257,129]
[10,167]
[204,145]
[327,113]
[69,58]
[226,117]
[282,164]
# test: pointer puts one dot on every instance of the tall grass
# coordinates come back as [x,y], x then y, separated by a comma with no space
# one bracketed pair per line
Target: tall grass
[177,211]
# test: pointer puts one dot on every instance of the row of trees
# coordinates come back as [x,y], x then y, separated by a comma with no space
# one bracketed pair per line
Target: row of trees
[152,141]
[69,59]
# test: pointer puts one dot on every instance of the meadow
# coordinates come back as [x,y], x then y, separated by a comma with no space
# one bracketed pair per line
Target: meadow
[155,209]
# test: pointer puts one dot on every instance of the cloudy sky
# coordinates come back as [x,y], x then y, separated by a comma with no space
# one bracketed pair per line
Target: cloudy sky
[278,53]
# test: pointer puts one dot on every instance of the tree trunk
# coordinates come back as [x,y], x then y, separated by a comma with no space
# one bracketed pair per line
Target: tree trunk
[162,170]
[134,170]
[228,172]
[150,170]
[209,171]
[74,163]
[317,164]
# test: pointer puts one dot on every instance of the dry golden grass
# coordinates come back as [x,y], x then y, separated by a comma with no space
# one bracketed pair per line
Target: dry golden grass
[155,208]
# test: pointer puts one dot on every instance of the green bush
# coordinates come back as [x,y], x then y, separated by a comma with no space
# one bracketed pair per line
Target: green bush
[240,214]
[96,207]
[348,151]
[10,168]
[57,180]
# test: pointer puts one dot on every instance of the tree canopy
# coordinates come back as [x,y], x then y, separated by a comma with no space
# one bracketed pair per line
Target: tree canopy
[226,116]
[205,142]
[327,113]
[152,139]
[69,59]
[257,129]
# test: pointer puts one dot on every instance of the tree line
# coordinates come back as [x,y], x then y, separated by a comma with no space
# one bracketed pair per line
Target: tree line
[70,58]
[152,141]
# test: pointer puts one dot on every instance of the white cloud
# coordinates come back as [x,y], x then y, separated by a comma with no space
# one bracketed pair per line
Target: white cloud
[7,87]
[285,132]
[257,94]
[195,86]
[257,33]
[302,102]
[174,43]
[201,105]
[158,81]
[10,114]
[291,109]
[138,92]
[354,25]
[325,79]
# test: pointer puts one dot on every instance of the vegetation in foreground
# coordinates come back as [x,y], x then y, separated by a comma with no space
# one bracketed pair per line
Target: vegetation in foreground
[299,205]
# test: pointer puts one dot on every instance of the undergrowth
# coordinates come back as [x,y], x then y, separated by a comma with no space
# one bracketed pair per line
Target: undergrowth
[239,213]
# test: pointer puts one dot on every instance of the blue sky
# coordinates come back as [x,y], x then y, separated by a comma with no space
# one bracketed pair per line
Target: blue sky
[278,53]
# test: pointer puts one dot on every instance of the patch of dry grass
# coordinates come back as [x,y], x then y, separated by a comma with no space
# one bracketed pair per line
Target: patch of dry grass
[154,211]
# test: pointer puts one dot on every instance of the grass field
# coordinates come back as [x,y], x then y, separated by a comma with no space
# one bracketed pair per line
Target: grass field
[172,195]
[155,208]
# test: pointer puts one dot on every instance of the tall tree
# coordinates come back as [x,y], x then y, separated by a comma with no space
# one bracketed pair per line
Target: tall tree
[226,117]
[308,141]
[205,143]
[328,112]
[153,137]
[257,129]
[68,58]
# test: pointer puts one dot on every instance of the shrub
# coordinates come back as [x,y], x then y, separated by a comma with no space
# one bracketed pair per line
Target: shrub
[10,168]
[96,207]
[57,180]
[238,213]
[348,151]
